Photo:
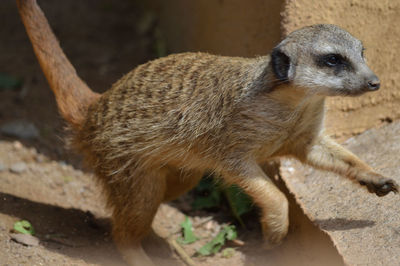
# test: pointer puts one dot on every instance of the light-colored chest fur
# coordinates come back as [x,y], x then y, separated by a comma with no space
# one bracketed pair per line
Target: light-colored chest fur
[292,120]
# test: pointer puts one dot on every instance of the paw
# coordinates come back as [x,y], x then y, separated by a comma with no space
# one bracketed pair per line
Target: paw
[273,238]
[381,186]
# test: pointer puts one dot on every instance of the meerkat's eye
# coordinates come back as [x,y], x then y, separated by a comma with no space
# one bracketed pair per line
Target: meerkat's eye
[336,61]
[332,60]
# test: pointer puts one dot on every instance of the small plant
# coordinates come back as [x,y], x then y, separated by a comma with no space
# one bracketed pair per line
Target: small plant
[228,252]
[24,227]
[210,194]
[187,231]
[228,232]
[239,202]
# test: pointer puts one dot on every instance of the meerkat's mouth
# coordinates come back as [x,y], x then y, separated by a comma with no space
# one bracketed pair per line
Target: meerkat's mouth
[351,92]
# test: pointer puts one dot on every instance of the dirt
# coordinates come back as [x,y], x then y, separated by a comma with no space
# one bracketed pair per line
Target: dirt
[65,207]
[60,197]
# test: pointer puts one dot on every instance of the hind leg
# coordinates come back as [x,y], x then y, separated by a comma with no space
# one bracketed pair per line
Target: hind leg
[135,200]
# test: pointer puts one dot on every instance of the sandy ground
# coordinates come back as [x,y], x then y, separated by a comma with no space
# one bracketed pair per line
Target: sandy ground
[59,197]
[66,209]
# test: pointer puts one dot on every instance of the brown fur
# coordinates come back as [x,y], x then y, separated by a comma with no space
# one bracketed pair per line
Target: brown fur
[159,128]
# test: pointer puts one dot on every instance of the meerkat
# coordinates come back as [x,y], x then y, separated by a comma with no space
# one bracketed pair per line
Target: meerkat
[151,136]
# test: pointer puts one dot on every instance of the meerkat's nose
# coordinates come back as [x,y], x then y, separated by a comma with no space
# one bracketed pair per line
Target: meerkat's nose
[374,84]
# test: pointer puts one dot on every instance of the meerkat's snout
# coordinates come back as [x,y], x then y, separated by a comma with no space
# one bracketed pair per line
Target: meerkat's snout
[368,81]
[374,83]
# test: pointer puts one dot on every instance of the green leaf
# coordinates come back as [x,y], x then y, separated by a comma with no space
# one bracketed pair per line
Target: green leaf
[239,202]
[24,227]
[230,232]
[213,199]
[211,195]
[228,252]
[205,184]
[188,235]
[212,247]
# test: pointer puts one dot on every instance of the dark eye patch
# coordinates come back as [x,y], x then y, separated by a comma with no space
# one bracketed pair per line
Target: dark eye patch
[362,52]
[332,60]
[335,61]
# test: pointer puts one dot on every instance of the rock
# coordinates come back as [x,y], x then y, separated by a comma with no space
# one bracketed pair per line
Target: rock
[363,227]
[20,129]
[24,239]
[33,151]
[18,168]
[17,145]
[2,167]
[40,158]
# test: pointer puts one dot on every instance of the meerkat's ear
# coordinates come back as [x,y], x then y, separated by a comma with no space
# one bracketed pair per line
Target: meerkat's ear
[280,64]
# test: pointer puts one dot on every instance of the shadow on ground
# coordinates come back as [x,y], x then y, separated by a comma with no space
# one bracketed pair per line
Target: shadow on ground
[77,234]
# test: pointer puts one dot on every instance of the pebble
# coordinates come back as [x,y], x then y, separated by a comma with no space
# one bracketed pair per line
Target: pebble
[20,129]
[40,158]
[18,168]
[2,167]
[27,240]
[33,151]
[17,145]
[209,225]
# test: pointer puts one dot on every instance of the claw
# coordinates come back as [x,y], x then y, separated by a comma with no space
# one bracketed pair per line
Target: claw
[381,189]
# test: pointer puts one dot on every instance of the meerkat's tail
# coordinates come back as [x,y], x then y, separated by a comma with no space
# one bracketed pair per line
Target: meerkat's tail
[73,96]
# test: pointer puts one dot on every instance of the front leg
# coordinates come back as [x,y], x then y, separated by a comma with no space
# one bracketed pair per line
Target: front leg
[271,201]
[326,154]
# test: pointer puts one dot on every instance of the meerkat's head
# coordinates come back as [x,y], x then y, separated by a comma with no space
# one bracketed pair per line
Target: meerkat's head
[324,59]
